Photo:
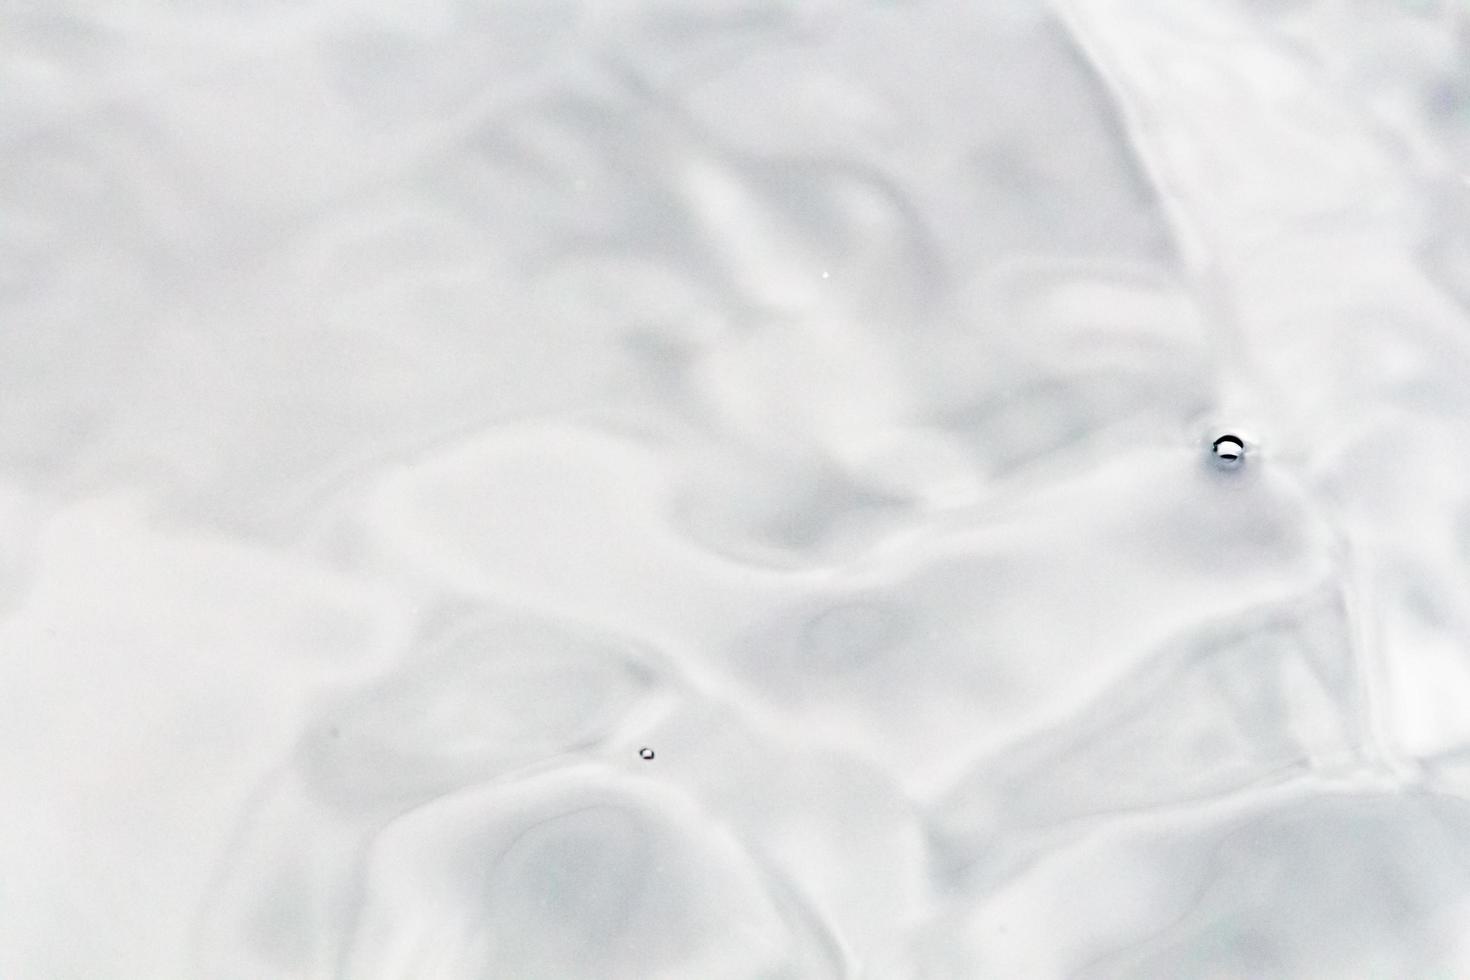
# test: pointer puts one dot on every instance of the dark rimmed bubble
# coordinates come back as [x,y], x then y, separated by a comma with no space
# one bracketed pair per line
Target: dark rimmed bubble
[1229,450]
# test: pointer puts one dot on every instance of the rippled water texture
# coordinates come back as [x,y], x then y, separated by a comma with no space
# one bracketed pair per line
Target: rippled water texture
[653,489]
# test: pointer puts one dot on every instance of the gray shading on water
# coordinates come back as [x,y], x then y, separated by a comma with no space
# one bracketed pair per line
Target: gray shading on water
[734,489]
[1329,887]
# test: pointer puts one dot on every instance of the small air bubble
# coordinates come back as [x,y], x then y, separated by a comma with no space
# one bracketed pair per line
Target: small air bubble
[1229,450]
[645,754]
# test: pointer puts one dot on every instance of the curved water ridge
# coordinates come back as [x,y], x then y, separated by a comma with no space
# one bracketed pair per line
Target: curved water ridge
[734,489]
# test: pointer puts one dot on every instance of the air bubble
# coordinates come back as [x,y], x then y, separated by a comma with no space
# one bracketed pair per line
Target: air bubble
[1229,450]
[645,754]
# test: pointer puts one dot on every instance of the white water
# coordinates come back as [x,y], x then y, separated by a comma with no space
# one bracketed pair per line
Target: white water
[410,412]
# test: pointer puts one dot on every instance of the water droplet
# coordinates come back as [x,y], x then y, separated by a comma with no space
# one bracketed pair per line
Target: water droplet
[1229,450]
[645,753]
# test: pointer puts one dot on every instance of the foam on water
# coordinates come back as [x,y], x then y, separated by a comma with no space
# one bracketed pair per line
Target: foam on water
[734,489]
